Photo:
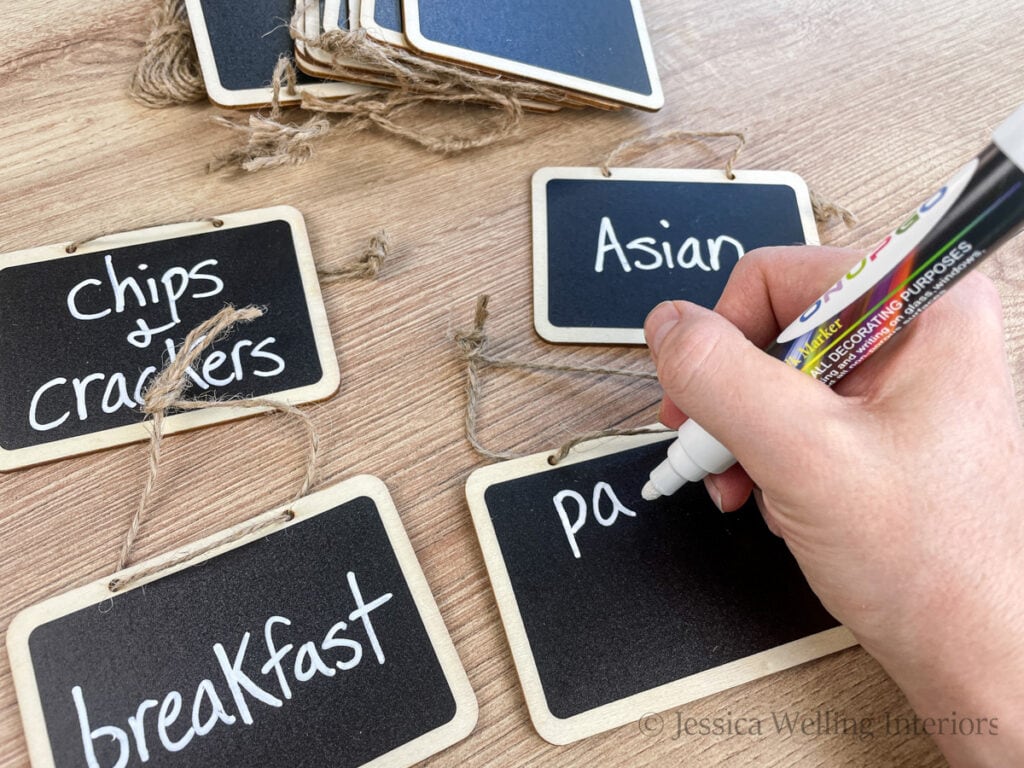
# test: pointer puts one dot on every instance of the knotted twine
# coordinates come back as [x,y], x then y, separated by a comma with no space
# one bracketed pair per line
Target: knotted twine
[168,72]
[473,344]
[166,393]
[825,211]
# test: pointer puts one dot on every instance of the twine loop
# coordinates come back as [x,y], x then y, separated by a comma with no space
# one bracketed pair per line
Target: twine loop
[472,343]
[166,392]
[73,247]
[663,138]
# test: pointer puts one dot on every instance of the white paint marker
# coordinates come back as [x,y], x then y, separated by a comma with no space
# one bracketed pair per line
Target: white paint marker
[981,207]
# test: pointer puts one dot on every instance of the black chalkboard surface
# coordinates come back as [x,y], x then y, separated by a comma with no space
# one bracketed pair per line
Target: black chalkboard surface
[388,14]
[239,45]
[605,596]
[595,47]
[312,642]
[82,334]
[607,250]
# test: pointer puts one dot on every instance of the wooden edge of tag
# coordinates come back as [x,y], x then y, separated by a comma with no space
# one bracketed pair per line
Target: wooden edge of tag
[249,98]
[651,102]
[368,21]
[332,14]
[330,380]
[466,708]
[557,730]
[538,199]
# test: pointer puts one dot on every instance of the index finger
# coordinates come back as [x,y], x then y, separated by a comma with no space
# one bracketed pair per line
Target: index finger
[770,287]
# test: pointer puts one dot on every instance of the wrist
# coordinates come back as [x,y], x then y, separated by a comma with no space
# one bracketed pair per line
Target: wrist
[961,664]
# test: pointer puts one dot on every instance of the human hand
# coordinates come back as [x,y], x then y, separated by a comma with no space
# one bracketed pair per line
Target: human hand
[899,492]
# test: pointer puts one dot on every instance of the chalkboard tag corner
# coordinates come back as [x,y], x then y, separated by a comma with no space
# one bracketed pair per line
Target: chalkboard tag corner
[359,514]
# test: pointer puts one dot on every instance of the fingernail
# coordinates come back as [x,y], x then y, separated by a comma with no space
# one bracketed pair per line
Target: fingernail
[715,494]
[662,319]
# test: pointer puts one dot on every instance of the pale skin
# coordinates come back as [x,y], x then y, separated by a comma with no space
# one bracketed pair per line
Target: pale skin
[900,492]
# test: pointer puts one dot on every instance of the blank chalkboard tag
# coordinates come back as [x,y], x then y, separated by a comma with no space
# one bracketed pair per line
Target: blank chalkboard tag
[615,607]
[239,45]
[82,334]
[607,250]
[318,643]
[598,49]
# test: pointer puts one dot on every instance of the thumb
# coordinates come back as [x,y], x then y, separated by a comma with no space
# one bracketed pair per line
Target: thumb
[758,407]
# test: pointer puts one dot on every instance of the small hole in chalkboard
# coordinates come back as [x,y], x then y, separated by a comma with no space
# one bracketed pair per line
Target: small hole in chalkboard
[217,222]
[289,514]
[730,176]
[552,460]
[71,248]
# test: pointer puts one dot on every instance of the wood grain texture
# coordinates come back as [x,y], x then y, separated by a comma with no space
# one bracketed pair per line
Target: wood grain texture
[873,103]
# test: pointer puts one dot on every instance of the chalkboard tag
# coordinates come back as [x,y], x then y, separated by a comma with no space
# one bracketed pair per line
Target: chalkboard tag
[83,333]
[239,45]
[606,54]
[606,250]
[318,643]
[615,607]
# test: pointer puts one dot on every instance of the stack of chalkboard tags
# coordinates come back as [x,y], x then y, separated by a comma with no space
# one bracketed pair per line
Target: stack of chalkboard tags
[239,45]
[587,52]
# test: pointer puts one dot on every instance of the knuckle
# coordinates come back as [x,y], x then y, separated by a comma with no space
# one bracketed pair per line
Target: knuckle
[687,356]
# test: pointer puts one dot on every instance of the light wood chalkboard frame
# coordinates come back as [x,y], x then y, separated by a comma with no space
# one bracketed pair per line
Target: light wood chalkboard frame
[466,709]
[583,335]
[629,710]
[367,21]
[251,98]
[652,102]
[181,422]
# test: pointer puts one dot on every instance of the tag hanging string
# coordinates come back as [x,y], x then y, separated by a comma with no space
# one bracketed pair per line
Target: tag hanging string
[473,343]
[368,266]
[120,583]
[73,246]
[648,143]
[166,392]
[825,211]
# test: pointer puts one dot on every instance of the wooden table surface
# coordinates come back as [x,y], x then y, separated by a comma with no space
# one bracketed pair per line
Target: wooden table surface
[873,103]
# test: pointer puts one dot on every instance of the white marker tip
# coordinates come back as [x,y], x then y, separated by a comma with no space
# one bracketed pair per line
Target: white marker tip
[649,492]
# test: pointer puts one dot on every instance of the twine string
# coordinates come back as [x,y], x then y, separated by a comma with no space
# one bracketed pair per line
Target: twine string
[473,343]
[73,246]
[663,138]
[825,211]
[269,141]
[168,71]
[367,266]
[166,392]
[120,583]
